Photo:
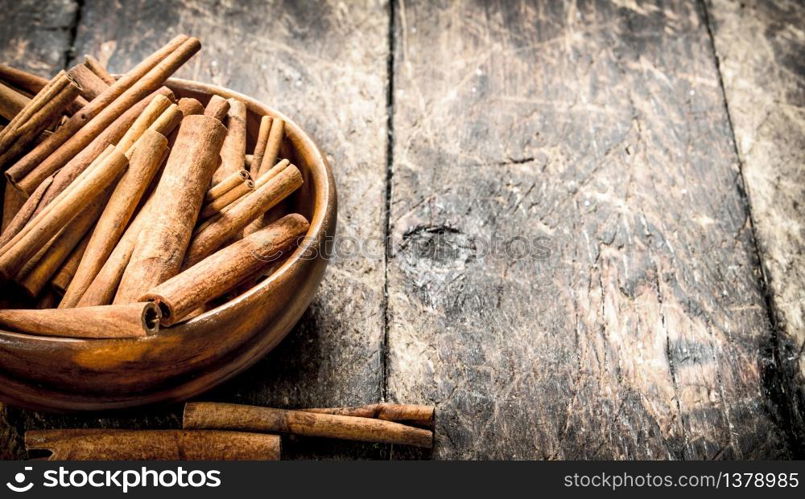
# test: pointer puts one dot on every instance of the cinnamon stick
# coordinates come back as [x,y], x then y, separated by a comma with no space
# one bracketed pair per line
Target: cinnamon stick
[49,221]
[171,445]
[13,201]
[64,276]
[233,219]
[145,161]
[272,146]
[215,206]
[37,272]
[190,106]
[23,80]
[11,102]
[98,114]
[234,149]
[132,320]
[419,415]
[98,68]
[90,85]
[152,111]
[226,184]
[217,108]
[40,112]
[260,146]
[160,249]
[25,212]
[199,415]
[112,135]
[222,271]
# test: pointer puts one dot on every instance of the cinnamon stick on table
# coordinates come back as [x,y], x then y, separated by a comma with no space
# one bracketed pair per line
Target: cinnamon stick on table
[419,415]
[234,149]
[160,249]
[222,271]
[132,320]
[98,114]
[251,418]
[211,236]
[139,445]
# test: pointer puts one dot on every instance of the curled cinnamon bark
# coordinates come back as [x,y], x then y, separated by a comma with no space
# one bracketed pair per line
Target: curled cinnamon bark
[132,320]
[229,197]
[226,184]
[64,276]
[11,102]
[220,272]
[419,415]
[260,146]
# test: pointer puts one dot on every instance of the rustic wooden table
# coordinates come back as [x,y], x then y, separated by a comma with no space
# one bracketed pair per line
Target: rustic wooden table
[592,210]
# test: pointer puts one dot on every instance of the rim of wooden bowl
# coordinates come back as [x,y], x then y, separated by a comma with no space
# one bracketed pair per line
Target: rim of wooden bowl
[322,222]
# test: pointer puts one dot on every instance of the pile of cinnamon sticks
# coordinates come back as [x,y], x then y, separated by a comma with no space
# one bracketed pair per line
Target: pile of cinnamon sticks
[214,431]
[127,209]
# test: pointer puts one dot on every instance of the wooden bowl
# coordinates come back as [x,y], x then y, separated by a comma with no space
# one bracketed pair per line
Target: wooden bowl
[72,374]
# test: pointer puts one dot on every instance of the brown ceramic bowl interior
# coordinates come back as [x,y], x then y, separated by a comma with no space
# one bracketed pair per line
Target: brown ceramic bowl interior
[71,374]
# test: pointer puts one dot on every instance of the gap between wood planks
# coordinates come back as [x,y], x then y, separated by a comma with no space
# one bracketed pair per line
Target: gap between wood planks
[778,382]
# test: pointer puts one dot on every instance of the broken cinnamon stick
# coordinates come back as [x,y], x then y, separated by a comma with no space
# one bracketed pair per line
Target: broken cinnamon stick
[234,149]
[251,418]
[419,415]
[159,251]
[220,272]
[133,320]
[50,220]
[96,116]
[145,161]
[233,219]
[171,445]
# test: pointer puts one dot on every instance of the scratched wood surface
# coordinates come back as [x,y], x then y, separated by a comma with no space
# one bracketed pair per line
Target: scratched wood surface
[596,131]
[574,268]
[760,47]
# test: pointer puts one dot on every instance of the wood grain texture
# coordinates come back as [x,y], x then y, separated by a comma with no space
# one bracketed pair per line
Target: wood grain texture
[760,47]
[634,327]
[324,64]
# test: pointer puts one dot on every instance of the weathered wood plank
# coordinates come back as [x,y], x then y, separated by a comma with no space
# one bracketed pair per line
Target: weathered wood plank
[324,64]
[594,134]
[34,36]
[760,47]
